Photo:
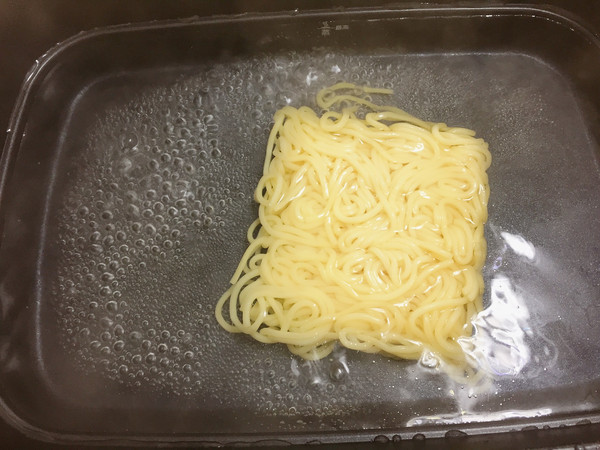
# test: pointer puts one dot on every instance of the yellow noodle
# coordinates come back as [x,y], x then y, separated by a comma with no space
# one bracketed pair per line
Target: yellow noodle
[370,233]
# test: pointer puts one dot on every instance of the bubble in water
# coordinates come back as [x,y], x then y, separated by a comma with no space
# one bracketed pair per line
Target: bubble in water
[381,439]
[106,322]
[150,229]
[119,346]
[107,277]
[106,215]
[97,248]
[135,336]
[338,371]
[130,140]
[429,360]
[105,291]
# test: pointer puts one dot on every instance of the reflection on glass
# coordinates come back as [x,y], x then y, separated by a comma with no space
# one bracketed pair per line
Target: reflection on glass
[498,344]
[519,245]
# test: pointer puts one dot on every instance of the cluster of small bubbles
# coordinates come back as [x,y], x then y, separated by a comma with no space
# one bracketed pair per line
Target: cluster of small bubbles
[152,184]
[293,387]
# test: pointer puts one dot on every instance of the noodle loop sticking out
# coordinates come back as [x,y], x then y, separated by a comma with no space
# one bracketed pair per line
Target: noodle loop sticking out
[370,233]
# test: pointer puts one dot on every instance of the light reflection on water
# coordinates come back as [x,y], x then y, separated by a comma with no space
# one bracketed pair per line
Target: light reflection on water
[519,245]
[467,417]
[498,346]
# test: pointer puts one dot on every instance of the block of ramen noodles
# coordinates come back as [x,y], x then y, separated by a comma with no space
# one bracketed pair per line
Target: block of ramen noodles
[370,233]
